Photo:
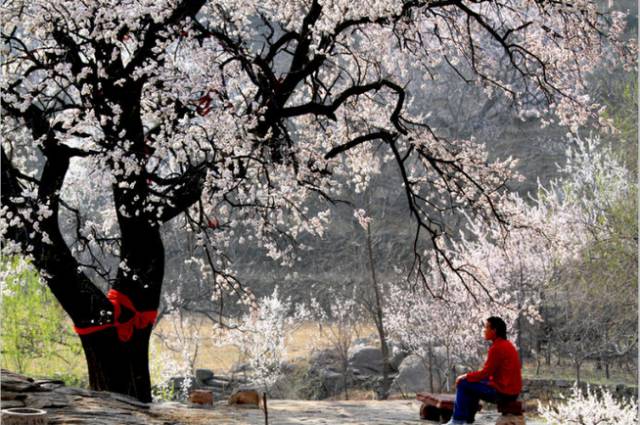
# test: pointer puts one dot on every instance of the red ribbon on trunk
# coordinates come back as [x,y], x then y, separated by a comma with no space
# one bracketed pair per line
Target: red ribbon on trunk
[140,319]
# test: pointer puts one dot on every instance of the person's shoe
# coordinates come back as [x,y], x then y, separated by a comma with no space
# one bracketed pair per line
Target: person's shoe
[455,422]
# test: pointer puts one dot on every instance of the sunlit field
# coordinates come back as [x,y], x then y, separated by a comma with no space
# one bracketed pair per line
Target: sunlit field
[301,343]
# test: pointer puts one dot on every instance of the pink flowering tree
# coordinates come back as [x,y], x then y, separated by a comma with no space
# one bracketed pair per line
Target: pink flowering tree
[121,116]
[507,268]
[592,302]
[514,272]
[510,269]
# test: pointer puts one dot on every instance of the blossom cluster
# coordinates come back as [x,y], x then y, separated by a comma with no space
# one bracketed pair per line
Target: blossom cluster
[590,407]
[261,336]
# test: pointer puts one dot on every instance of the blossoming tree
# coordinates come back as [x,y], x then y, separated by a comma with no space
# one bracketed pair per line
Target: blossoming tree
[592,307]
[509,270]
[228,115]
[524,273]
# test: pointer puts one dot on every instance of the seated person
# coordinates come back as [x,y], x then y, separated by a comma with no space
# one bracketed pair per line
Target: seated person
[500,379]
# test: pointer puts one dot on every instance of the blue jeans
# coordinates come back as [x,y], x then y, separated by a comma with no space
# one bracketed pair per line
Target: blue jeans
[467,396]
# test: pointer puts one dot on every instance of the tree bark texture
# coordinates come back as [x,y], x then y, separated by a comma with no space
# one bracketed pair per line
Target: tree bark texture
[121,367]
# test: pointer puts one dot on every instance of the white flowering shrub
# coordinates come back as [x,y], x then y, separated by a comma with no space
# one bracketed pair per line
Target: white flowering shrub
[174,350]
[261,337]
[590,408]
[172,373]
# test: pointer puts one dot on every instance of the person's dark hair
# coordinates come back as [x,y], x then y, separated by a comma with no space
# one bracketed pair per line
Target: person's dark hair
[498,325]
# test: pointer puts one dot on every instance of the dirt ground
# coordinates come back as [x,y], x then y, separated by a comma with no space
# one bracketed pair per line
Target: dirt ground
[296,412]
[69,405]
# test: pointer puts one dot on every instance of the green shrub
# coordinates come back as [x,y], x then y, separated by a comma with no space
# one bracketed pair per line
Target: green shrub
[36,335]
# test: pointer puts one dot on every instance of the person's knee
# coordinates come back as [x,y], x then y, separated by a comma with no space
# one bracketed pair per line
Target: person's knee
[463,383]
[462,388]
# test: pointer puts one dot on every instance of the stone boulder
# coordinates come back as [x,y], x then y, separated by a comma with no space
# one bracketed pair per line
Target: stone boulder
[222,387]
[332,381]
[323,359]
[203,375]
[240,368]
[413,376]
[396,356]
[368,340]
[365,360]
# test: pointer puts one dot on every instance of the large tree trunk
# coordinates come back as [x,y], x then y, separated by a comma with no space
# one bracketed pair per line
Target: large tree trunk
[116,363]
[117,366]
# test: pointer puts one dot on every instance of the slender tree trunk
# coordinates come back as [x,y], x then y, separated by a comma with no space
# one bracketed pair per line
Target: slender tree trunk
[605,358]
[345,380]
[538,354]
[578,366]
[519,338]
[386,364]
[379,321]
[448,377]
[452,378]
[430,354]
[518,320]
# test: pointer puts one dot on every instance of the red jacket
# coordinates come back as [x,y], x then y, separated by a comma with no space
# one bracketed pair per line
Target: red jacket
[502,368]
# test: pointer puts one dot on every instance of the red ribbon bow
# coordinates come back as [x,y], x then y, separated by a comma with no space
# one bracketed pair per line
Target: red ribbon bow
[140,319]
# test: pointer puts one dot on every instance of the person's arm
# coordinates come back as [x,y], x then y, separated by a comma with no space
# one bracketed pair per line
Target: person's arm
[488,369]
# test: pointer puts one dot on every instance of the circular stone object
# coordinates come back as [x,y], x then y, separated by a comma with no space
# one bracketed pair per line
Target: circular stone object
[24,416]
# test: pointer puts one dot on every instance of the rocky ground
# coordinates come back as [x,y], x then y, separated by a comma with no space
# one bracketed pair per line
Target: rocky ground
[66,405]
